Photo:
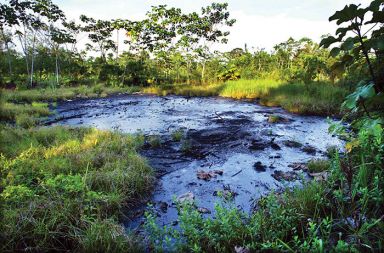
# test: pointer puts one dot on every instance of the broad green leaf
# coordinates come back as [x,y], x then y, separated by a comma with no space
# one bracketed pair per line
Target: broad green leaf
[348,44]
[346,59]
[375,5]
[335,51]
[342,31]
[376,43]
[326,42]
[363,92]
[349,12]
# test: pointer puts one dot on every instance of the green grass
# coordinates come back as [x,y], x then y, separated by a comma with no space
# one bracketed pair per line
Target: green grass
[65,189]
[314,98]
[177,135]
[249,88]
[154,141]
[24,115]
[318,165]
[31,95]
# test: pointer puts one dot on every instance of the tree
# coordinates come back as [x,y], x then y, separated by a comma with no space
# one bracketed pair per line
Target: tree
[29,17]
[360,37]
[58,37]
[99,33]
[199,31]
[168,29]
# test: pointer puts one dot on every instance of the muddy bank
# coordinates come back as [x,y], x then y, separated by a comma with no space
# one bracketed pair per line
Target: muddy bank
[225,145]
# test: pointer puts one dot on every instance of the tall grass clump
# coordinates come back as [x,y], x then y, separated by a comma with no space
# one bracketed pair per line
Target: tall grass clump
[316,98]
[184,90]
[248,88]
[64,189]
[22,115]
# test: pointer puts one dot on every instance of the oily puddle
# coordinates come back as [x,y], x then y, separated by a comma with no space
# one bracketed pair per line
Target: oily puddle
[222,145]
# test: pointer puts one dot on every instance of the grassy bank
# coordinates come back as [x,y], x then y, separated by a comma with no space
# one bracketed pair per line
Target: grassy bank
[50,95]
[313,99]
[64,189]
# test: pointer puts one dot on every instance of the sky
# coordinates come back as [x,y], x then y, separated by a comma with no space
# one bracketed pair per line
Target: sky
[260,23]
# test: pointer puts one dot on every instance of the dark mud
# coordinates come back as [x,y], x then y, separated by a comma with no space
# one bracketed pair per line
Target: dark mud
[226,135]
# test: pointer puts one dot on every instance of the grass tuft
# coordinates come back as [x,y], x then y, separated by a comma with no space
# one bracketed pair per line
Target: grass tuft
[318,165]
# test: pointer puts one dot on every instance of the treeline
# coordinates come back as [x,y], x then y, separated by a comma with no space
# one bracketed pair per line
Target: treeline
[39,47]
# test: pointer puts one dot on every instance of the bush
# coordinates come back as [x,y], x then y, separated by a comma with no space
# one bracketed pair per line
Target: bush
[26,121]
[318,165]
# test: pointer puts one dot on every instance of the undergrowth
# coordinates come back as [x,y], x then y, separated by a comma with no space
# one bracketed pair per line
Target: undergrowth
[64,189]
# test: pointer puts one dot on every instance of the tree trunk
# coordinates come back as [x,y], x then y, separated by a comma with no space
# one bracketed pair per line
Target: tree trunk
[8,52]
[203,73]
[377,86]
[57,68]
[117,44]
[178,74]
[188,73]
[24,47]
[32,59]
[125,71]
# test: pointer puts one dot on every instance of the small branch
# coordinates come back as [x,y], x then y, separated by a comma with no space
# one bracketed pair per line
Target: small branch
[237,173]
[370,29]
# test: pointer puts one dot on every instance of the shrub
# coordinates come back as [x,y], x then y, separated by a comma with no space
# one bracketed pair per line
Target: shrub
[25,120]
[154,141]
[318,165]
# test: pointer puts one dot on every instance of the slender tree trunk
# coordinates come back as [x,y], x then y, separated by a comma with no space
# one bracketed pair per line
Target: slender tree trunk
[125,71]
[8,52]
[178,74]
[377,86]
[117,43]
[24,47]
[57,68]
[32,59]
[203,72]
[188,72]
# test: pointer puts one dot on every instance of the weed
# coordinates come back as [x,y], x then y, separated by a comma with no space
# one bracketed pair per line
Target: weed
[186,146]
[177,135]
[318,165]
[25,120]
[154,141]
[274,119]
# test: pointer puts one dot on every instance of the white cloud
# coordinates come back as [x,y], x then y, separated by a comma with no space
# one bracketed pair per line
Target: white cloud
[260,23]
[266,31]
